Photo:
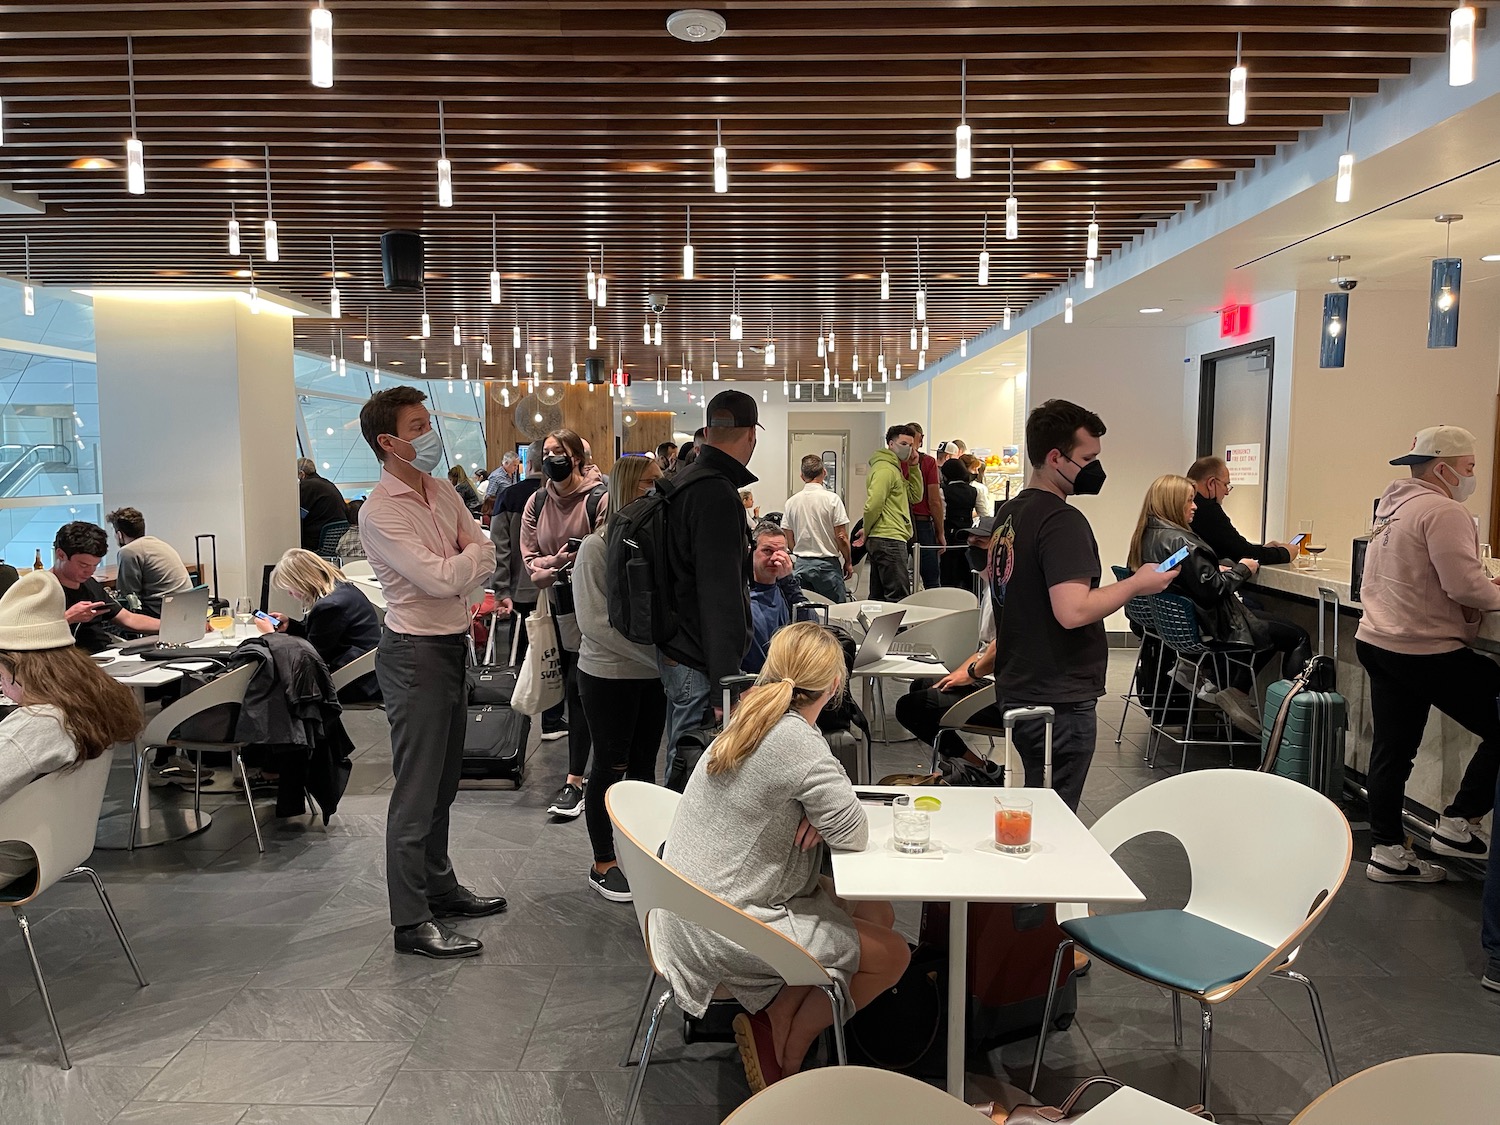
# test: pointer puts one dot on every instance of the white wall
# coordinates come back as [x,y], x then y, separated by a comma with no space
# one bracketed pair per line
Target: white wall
[197,425]
[866,435]
[1133,379]
[1275,320]
[1347,423]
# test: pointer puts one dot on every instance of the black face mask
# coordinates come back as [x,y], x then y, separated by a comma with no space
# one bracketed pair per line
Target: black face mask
[978,558]
[558,467]
[1089,480]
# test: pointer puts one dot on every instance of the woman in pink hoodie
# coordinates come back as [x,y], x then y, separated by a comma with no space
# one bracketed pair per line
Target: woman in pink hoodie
[568,507]
[1423,593]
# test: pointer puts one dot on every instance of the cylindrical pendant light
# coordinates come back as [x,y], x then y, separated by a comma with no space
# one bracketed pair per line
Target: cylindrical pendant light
[335,305]
[913,337]
[1012,208]
[234,234]
[963,348]
[1335,323]
[1343,185]
[984,252]
[458,336]
[1068,310]
[28,294]
[921,289]
[1005,319]
[1092,250]
[494,265]
[135,153]
[444,166]
[716,358]
[646,331]
[320,54]
[721,161]
[426,320]
[1088,273]
[273,246]
[369,346]
[925,337]
[600,285]
[591,286]
[687,248]
[885,282]
[1461,46]
[1443,305]
[422,368]
[963,155]
[656,336]
[1238,81]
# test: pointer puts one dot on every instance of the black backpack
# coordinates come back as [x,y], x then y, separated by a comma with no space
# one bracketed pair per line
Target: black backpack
[638,585]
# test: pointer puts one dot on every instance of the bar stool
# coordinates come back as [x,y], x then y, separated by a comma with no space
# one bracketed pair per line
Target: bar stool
[1138,613]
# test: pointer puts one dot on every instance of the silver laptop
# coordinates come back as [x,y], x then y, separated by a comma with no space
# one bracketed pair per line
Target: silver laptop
[878,638]
[183,616]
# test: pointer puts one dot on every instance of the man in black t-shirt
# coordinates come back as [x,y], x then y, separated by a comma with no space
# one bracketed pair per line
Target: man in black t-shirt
[1050,649]
[77,551]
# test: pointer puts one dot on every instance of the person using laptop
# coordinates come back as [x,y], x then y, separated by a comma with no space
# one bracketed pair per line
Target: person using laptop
[93,615]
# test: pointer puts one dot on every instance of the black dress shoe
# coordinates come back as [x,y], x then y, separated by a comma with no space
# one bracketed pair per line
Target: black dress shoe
[433,939]
[464,903]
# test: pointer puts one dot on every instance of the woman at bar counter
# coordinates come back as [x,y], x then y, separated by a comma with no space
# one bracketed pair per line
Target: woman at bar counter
[1212,585]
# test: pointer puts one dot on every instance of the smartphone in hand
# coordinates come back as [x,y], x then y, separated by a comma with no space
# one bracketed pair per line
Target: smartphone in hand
[1174,560]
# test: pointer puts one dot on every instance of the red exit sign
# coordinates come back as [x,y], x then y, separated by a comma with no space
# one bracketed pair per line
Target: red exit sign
[1234,320]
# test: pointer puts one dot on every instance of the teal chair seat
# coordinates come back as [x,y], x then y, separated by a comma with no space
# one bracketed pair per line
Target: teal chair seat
[1176,948]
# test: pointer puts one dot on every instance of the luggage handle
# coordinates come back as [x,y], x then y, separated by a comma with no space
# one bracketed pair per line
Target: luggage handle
[1325,597]
[729,683]
[1024,714]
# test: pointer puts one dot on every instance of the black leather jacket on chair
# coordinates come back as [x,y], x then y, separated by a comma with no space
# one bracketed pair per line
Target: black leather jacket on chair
[1222,617]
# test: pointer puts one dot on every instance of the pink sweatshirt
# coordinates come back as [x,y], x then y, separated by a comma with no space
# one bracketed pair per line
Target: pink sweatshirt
[544,539]
[1424,588]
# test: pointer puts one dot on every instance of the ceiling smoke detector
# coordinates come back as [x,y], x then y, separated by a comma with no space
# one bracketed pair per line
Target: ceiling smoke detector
[694,25]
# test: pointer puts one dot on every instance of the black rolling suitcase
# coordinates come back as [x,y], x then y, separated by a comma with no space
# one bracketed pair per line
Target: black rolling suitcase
[495,736]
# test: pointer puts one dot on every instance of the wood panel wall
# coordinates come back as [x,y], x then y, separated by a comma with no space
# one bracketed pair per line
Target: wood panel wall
[590,414]
[651,428]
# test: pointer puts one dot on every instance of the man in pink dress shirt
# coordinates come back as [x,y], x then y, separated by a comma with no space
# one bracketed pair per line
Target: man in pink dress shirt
[429,553]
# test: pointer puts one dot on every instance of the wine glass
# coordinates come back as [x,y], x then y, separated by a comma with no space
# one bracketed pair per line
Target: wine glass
[244,610]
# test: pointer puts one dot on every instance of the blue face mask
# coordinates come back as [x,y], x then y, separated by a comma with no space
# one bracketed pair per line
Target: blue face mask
[427,452]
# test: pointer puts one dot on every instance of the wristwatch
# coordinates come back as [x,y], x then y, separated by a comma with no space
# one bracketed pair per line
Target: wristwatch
[972,669]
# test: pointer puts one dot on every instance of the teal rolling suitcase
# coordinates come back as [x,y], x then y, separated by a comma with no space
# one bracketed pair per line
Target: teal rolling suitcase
[1303,736]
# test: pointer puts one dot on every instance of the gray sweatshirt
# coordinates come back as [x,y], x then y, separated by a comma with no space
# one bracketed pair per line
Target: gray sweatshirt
[603,653]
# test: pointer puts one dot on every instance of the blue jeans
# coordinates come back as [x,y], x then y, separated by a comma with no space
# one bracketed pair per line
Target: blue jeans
[1489,912]
[929,562]
[689,694]
[825,574]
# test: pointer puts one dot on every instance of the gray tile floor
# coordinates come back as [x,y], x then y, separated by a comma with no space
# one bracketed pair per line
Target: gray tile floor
[276,998]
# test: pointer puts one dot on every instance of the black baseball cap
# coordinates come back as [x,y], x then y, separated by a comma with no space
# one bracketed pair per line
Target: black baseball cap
[733,410]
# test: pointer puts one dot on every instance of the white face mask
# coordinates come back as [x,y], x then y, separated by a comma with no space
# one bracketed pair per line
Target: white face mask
[1461,487]
[427,451]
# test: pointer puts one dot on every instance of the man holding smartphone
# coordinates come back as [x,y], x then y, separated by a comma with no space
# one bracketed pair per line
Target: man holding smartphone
[1050,648]
[429,553]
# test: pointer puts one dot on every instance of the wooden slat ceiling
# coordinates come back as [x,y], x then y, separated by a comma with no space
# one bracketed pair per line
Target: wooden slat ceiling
[585,124]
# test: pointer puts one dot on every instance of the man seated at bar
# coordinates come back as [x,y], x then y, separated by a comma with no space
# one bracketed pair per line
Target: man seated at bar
[1210,476]
[1424,593]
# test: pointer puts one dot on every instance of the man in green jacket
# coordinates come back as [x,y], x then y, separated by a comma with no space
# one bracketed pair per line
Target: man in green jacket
[888,499]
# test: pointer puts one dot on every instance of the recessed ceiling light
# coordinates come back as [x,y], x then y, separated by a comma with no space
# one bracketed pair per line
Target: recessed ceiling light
[1150,311]
[694,25]
[1038,276]
[916,166]
[645,166]
[1490,258]
[372,166]
[1056,166]
[784,166]
[93,164]
[231,164]
[514,166]
[1008,363]
[1195,163]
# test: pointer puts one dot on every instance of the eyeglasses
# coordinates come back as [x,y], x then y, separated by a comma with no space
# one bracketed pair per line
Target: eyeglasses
[1228,488]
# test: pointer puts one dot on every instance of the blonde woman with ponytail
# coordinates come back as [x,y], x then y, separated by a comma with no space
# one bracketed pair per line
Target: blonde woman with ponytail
[751,828]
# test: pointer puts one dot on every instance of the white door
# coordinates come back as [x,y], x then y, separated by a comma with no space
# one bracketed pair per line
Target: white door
[1242,397]
[832,447]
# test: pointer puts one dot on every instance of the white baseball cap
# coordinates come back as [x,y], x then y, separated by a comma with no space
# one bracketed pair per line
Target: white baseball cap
[1438,441]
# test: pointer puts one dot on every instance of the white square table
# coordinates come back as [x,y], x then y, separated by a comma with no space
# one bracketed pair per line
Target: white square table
[847,613]
[1128,1106]
[1066,865]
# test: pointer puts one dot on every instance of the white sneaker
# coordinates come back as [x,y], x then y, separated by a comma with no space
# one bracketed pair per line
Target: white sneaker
[1183,674]
[1456,836]
[1392,863]
[1240,709]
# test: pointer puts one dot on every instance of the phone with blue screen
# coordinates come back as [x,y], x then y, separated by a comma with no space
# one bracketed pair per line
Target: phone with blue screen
[1174,560]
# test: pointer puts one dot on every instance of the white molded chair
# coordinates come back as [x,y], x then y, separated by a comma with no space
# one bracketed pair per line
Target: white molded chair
[853,1095]
[57,816]
[954,637]
[943,597]
[356,669]
[1267,856]
[1416,1088]
[358,568]
[227,689]
[959,718]
[642,814]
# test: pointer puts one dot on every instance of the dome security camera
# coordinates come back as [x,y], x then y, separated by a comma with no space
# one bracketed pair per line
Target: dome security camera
[1347,284]
[657,302]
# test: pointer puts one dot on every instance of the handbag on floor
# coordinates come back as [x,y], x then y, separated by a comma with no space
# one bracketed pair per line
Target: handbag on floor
[540,684]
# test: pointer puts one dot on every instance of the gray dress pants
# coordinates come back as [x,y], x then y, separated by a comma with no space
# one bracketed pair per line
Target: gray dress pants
[426,700]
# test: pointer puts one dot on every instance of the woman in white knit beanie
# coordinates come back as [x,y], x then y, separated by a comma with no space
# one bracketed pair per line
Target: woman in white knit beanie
[68,710]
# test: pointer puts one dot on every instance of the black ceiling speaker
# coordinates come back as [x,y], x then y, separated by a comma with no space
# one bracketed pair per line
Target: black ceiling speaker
[593,371]
[401,259]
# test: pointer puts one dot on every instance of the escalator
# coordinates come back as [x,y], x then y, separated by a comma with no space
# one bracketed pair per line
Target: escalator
[20,464]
